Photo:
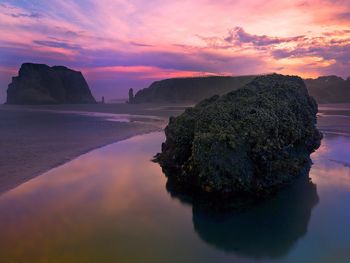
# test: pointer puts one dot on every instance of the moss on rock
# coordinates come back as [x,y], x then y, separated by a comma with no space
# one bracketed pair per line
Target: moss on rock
[251,140]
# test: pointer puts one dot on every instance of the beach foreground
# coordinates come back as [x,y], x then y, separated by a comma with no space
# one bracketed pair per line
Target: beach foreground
[113,205]
[37,138]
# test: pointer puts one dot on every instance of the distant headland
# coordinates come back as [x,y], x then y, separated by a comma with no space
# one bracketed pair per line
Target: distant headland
[325,89]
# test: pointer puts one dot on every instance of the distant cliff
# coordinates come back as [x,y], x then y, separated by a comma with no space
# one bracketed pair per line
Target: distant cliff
[41,84]
[328,89]
[190,89]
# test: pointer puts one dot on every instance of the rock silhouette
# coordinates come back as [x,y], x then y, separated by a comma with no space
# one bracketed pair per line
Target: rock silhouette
[131,96]
[329,89]
[325,89]
[41,84]
[190,89]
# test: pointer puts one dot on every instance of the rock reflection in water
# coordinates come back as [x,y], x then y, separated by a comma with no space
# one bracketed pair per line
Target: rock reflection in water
[265,230]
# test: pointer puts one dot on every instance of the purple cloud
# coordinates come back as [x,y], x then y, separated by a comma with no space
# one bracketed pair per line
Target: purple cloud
[340,53]
[344,16]
[30,15]
[57,44]
[239,35]
[139,44]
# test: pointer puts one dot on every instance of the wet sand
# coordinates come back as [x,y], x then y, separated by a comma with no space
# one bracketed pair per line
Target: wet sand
[34,139]
[150,109]
[334,119]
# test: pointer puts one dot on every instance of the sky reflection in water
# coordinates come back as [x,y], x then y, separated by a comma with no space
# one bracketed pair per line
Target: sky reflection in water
[111,205]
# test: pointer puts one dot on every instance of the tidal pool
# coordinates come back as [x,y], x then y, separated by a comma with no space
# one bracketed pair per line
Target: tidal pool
[111,205]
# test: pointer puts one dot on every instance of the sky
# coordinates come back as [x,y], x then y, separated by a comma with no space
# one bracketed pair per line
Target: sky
[122,44]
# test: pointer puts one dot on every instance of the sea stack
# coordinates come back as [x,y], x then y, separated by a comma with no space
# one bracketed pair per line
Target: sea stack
[131,96]
[41,84]
[249,141]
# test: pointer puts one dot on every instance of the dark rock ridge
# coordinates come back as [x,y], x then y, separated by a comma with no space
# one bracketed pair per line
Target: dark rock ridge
[249,141]
[327,89]
[192,89]
[41,84]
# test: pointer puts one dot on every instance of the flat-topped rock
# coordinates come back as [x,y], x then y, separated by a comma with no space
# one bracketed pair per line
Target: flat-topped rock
[41,84]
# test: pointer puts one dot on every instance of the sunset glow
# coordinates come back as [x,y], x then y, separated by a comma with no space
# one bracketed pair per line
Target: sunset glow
[121,44]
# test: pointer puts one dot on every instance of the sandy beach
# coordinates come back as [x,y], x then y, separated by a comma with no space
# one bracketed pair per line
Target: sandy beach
[150,109]
[334,119]
[37,138]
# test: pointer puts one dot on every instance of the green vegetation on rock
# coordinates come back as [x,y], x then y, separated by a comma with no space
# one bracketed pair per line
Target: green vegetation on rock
[251,140]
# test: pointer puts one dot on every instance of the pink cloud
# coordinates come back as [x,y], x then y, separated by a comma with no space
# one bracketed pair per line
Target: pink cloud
[145,72]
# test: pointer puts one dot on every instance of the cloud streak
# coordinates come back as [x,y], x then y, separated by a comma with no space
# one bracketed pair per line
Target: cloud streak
[238,35]
[56,44]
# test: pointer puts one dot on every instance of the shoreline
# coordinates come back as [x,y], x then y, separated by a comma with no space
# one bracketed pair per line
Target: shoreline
[6,188]
[34,142]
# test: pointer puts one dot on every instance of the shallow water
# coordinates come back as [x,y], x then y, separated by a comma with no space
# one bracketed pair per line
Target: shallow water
[117,117]
[111,205]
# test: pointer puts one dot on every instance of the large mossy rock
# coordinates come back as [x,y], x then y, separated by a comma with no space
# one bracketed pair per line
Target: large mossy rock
[251,140]
[41,84]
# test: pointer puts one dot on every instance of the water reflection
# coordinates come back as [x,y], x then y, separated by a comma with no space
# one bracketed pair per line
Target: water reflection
[265,230]
[268,230]
[332,163]
[111,205]
[92,209]
[117,117]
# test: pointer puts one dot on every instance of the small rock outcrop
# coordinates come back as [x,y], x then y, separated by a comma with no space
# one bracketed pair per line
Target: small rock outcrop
[249,141]
[131,96]
[41,84]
